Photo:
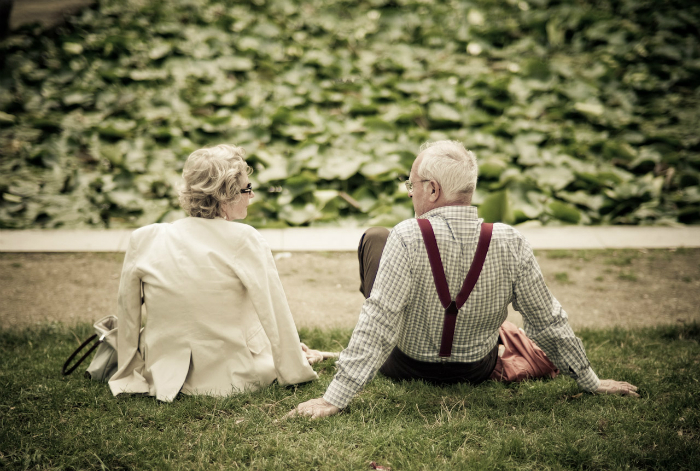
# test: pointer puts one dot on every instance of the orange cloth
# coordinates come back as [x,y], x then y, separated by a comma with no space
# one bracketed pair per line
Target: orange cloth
[522,359]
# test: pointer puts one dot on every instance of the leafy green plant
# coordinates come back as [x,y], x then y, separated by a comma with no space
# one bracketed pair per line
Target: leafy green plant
[580,113]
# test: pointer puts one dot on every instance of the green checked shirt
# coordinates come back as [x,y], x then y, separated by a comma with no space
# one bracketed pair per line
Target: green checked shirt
[404,308]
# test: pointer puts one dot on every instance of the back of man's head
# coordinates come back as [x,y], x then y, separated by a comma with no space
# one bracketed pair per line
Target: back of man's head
[452,166]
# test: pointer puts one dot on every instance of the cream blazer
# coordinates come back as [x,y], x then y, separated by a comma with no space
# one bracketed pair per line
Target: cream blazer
[218,320]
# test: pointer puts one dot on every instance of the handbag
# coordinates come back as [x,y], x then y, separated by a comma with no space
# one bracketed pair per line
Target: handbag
[104,364]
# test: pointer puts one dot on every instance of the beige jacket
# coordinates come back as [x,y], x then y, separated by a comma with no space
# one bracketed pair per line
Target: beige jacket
[218,319]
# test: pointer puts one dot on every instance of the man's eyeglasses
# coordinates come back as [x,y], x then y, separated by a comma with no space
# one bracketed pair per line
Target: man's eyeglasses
[248,189]
[409,184]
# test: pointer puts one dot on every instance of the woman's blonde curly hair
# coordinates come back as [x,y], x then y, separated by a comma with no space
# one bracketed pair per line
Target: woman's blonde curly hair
[212,177]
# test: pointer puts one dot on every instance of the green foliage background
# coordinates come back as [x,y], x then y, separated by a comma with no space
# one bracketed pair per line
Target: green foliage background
[579,111]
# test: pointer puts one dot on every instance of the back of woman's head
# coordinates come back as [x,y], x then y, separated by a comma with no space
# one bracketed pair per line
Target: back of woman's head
[212,176]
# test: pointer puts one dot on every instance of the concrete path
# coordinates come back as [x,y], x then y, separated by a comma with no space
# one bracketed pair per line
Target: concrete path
[340,240]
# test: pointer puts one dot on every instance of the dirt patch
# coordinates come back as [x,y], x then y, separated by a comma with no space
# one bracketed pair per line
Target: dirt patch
[628,288]
[597,288]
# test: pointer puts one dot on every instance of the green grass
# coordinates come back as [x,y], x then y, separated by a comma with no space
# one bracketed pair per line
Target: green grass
[621,257]
[562,277]
[48,421]
[620,262]
[627,276]
[557,254]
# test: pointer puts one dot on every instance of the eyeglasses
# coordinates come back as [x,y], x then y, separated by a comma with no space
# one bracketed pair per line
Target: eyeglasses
[409,184]
[248,189]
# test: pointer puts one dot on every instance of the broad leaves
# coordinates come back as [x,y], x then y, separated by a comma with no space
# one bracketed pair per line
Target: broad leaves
[578,115]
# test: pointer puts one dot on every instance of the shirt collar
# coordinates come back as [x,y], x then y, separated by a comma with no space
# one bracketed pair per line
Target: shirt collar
[452,212]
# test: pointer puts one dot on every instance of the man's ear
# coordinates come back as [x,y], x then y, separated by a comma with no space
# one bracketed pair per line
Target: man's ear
[434,191]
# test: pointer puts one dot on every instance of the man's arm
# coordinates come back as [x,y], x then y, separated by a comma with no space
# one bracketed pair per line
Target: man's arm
[547,324]
[374,335]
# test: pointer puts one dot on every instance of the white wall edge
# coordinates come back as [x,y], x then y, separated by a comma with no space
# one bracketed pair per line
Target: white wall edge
[346,239]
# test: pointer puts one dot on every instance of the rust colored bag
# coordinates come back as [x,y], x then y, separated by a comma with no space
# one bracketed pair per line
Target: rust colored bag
[521,359]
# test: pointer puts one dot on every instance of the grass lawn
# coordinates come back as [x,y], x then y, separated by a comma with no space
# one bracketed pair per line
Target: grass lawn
[48,421]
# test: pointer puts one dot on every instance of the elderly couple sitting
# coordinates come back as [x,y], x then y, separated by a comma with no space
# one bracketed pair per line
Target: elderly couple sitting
[437,289]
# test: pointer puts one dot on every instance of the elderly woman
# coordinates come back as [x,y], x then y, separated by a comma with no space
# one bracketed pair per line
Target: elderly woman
[218,319]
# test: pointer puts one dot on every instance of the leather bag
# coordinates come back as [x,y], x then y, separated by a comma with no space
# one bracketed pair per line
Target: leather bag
[104,364]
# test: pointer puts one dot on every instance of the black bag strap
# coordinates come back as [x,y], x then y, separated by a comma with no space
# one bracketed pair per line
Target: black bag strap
[66,370]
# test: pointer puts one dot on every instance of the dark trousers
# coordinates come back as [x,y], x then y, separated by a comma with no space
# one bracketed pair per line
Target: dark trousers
[399,365]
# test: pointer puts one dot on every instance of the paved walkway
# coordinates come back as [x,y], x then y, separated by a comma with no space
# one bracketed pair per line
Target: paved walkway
[339,240]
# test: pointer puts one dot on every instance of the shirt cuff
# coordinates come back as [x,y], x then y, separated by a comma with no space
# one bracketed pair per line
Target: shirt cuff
[339,394]
[588,380]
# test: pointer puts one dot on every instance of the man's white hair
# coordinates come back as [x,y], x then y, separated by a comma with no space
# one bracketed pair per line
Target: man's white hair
[452,166]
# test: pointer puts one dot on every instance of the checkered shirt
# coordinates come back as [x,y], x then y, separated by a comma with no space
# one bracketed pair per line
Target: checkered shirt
[404,309]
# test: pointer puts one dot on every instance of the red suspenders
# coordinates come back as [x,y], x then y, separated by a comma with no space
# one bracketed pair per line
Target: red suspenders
[452,307]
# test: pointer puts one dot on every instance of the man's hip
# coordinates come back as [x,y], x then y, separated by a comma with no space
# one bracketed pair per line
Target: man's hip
[402,367]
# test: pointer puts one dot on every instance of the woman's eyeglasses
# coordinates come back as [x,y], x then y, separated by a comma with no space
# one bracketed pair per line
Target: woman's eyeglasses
[247,189]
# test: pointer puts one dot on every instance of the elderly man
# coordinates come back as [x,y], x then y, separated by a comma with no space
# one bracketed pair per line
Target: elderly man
[403,330]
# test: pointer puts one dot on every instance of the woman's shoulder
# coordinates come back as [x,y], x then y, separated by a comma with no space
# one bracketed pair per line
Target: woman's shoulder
[244,228]
[229,231]
[250,235]
[147,231]
[141,238]
[231,228]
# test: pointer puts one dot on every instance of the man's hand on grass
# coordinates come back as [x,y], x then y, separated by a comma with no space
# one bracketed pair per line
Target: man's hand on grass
[315,408]
[610,386]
